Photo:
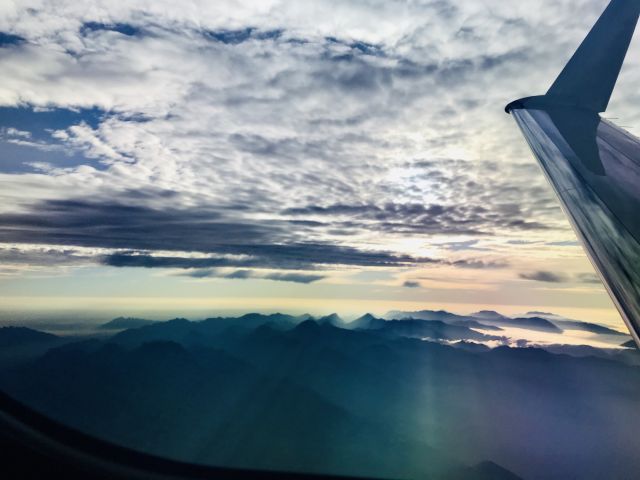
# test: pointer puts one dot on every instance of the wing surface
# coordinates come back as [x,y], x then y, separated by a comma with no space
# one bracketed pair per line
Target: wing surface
[592,164]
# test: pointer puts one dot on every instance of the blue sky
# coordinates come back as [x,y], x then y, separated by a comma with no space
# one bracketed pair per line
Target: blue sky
[346,156]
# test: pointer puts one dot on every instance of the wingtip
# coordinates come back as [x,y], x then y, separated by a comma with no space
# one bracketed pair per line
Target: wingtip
[588,79]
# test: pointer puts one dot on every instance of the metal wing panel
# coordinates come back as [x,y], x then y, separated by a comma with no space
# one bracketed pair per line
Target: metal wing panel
[594,168]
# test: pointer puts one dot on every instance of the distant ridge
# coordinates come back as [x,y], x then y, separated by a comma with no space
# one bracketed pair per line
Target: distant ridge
[333,319]
[569,324]
[441,315]
[366,321]
[488,315]
[494,318]
[12,336]
[123,323]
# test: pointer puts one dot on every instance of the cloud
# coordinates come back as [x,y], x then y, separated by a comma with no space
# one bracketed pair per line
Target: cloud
[551,277]
[590,278]
[296,256]
[479,264]
[464,245]
[263,135]
[469,219]
[304,278]
[44,256]
[411,284]
[144,229]
[121,28]
[294,277]
[14,132]
[544,276]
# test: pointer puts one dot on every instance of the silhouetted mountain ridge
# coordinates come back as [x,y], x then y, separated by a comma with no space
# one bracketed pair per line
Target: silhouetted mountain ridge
[484,317]
[123,323]
[15,336]
[310,396]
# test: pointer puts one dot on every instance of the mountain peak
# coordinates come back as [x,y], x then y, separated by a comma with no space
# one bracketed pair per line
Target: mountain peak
[333,319]
[123,323]
[307,326]
[367,321]
[488,314]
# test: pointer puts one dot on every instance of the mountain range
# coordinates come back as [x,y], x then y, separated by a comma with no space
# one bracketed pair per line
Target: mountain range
[368,398]
[537,321]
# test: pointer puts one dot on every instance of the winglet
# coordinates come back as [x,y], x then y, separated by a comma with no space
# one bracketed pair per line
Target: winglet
[588,79]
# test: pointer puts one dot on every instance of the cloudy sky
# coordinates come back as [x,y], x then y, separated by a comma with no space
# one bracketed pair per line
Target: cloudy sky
[351,156]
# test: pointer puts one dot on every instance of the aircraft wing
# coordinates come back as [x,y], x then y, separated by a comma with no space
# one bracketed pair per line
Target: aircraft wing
[592,164]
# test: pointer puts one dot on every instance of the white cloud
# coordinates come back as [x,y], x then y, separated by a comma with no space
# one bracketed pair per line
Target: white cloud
[368,103]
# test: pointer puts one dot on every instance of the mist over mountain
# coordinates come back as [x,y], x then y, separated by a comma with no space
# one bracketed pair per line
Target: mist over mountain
[487,319]
[488,314]
[367,398]
[333,319]
[122,323]
[366,322]
[441,315]
[484,319]
[433,329]
[587,327]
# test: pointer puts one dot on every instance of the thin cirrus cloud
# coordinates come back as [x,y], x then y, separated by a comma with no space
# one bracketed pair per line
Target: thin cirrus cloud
[268,136]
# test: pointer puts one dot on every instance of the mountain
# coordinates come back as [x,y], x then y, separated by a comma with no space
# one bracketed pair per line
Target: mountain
[322,399]
[234,414]
[366,322]
[21,336]
[568,324]
[628,356]
[489,315]
[432,329]
[202,332]
[588,327]
[333,319]
[441,315]
[531,323]
[20,344]
[487,318]
[123,323]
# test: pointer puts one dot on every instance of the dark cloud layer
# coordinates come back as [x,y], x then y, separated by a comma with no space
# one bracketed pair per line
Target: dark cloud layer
[589,278]
[479,264]
[304,278]
[544,276]
[142,230]
[290,257]
[469,219]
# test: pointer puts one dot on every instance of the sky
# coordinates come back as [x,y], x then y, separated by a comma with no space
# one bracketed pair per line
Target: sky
[174,158]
